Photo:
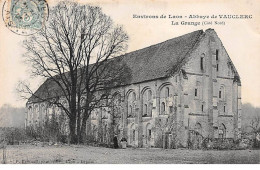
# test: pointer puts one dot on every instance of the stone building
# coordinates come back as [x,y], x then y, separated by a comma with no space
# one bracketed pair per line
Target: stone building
[182,91]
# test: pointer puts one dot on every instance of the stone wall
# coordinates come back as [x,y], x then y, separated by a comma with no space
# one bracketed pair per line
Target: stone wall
[203,97]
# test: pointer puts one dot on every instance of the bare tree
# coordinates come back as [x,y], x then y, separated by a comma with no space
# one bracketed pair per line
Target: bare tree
[72,52]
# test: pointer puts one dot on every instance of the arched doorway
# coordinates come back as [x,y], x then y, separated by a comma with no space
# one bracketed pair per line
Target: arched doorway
[222,131]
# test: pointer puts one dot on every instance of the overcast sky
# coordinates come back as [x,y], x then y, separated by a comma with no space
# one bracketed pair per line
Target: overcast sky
[241,38]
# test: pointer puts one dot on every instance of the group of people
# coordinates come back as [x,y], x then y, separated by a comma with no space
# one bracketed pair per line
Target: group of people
[115,140]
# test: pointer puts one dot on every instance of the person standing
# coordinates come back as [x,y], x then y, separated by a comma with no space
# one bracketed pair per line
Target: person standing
[115,142]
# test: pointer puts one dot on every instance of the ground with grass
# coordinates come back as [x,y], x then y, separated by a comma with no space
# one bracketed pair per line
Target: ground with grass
[98,155]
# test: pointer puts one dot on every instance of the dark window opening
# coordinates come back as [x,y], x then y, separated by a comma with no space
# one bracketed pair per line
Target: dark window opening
[201,63]
[217,67]
[162,108]
[217,55]
[149,133]
[202,109]
[224,108]
[219,94]
[167,92]
[131,111]
[196,92]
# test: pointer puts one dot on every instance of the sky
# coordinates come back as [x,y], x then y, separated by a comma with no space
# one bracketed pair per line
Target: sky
[241,38]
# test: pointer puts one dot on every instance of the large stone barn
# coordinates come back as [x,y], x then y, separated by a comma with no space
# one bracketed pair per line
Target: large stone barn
[182,91]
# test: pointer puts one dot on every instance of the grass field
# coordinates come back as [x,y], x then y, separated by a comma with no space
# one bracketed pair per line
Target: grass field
[30,154]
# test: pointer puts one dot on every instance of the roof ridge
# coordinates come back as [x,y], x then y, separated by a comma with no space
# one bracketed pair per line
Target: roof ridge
[161,42]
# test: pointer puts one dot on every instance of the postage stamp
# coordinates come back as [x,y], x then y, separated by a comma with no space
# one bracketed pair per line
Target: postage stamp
[25,17]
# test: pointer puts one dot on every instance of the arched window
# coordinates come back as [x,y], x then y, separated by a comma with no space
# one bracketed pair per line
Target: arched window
[202,62]
[222,131]
[221,93]
[162,108]
[167,92]
[166,97]
[145,109]
[148,132]
[146,100]
[131,104]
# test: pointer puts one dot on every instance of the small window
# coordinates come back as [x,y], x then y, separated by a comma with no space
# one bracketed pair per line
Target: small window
[167,92]
[217,67]
[196,92]
[130,111]
[149,134]
[219,94]
[216,55]
[222,93]
[201,63]
[145,109]
[162,108]
[133,135]
[202,108]
[224,109]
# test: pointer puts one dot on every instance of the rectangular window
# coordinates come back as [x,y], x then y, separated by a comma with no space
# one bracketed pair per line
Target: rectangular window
[196,92]
[201,63]
[202,109]
[219,94]
[216,55]
[224,109]
[217,67]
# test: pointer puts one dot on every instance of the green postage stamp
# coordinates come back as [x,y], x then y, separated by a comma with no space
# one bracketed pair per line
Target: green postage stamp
[25,17]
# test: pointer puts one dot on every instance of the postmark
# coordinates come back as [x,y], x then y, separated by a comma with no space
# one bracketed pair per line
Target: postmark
[25,17]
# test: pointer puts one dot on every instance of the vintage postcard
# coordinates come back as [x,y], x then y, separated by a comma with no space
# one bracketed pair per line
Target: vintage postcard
[129,82]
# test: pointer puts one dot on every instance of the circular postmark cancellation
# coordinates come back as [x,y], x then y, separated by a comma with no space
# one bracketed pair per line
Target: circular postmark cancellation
[25,17]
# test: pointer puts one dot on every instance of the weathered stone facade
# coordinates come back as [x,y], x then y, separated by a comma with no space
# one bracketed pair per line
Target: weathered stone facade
[200,99]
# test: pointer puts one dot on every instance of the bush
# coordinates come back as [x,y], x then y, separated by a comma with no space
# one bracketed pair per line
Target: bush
[63,138]
[14,136]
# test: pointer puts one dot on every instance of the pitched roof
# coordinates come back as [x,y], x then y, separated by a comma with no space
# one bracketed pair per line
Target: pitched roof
[153,62]
[159,60]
